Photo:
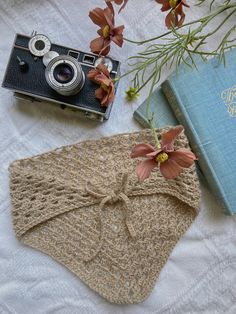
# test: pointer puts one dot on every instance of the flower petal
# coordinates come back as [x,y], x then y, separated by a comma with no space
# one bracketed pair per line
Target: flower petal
[104,101]
[145,168]
[100,75]
[100,46]
[153,154]
[102,79]
[103,69]
[118,40]
[123,5]
[109,15]
[100,93]
[119,30]
[92,74]
[180,14]
[181,20]
[183,157]
[111,94]
[165,5]
[170,169]
[108,96]
[98,17]
[171,19]
[97,44]
[183,2]
[106,47]
[141,150]
[168,138]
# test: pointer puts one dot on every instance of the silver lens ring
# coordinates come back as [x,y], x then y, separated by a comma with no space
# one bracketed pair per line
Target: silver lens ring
[39,45]
[68,83]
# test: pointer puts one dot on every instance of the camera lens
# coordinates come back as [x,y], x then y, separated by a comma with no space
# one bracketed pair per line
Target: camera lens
[64,74]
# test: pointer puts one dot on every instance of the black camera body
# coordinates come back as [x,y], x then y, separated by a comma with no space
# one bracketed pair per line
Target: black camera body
[26,69]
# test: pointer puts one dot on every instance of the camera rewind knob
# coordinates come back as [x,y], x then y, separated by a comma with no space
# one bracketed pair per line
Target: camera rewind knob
[22,65]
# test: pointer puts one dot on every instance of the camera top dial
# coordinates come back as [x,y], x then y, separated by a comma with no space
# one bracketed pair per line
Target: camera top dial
[39,45]
[106,61]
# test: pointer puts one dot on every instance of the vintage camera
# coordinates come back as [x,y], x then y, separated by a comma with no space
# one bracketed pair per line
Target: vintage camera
[39,70]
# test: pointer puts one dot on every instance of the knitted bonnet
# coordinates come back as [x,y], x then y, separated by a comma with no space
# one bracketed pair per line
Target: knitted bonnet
[84,206]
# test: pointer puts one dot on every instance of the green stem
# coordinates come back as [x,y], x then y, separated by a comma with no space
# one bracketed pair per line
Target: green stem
[148,112]
[200,20]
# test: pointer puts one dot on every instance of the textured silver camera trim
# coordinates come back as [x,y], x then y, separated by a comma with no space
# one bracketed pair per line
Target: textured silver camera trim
[44,39]
[84,64]
[67,89]
[52,78]
[69,48]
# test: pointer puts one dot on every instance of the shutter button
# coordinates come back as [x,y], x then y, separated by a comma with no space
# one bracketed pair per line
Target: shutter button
[22,65]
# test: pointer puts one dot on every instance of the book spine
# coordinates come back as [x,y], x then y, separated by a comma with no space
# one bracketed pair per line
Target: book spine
[140,118]
[195,142]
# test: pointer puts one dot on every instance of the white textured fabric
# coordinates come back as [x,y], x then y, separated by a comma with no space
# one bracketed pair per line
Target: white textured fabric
[200,275]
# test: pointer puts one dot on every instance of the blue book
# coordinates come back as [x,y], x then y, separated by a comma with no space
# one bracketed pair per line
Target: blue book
[204,101]
[163,114]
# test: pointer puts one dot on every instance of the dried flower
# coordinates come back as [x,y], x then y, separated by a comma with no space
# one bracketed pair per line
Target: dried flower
[171,161]
[131,93]
[106,92]
[176,15]
[118,2]
[105,19]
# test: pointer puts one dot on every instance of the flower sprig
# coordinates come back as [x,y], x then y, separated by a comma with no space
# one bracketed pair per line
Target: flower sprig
[106,92]
[176,15]
[170,161]
[178,45]
[108,32]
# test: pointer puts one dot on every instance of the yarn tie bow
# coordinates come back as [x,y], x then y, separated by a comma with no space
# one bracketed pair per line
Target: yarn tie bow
[112,197]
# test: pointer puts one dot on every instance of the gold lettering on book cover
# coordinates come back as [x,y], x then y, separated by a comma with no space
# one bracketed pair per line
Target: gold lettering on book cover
[229,98]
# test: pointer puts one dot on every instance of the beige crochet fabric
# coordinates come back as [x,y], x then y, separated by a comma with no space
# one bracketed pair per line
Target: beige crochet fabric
[83,205]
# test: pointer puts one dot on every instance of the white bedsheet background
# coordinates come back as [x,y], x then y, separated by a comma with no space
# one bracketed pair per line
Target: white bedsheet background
[200,275]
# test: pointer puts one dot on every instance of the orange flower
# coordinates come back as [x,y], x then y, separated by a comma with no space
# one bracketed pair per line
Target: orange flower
[170,161]
[176,15]
[105,19]
[118,2]
[106,92]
